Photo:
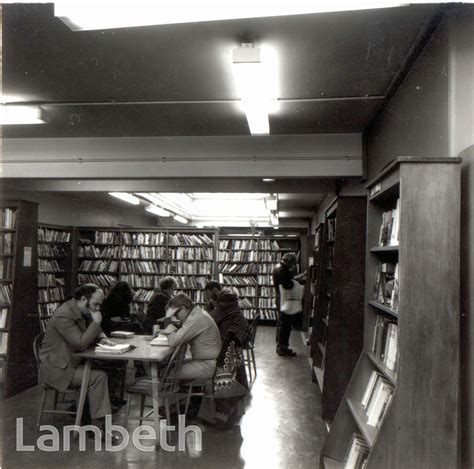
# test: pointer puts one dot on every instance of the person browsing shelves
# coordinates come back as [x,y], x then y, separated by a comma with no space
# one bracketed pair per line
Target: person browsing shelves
[199,331]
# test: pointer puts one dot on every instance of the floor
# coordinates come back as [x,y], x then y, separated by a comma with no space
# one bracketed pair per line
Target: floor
[281,428]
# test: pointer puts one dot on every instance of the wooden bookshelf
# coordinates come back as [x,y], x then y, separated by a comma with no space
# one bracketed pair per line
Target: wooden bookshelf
[417,426]
[246,264]
[19,296]
[54,269]
[337,336]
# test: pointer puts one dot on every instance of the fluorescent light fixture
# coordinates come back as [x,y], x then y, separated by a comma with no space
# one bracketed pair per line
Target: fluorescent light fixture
[21,115]
[180,219]
[255,73]
[157,211]
[103,15]
[268,180]
[276,227]
[131,199]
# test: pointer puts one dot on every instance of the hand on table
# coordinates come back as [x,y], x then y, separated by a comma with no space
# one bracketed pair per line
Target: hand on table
[105,341]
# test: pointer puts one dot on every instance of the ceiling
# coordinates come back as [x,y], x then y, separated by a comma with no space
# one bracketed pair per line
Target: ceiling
[175,80]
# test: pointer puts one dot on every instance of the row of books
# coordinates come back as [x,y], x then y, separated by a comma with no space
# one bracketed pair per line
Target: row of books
[265,279]
[144,252]
[267,291]
[144,267]
[144,238]
[268,314]
[47,295]
[51,265]
[3,318]
[390,226]
[268,245]
[186,281]
[241,279]
[99,266]
[238,244]
[191,253]
[8,220]
[6,265]
[268,257]
[51,235]
[330,255]
[245,303]
[6,243]
[94,251]
[386,287]
[51,250]
[46,310]
[239,268]
[101,280]
[190,268]
[6,294]
[376,398]
[266,302]
[49,280]
[385,342]
[266,268]
[331,229]
[246,291]
[106,237]
[357,454]
[141,281]
[238,256]
[190,239]
[3,342]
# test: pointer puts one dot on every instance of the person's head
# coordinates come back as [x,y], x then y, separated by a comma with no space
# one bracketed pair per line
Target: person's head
[89,297]
[227,298]
[212,289]
[179,306]
[123,290]
[168,284]
[289,260]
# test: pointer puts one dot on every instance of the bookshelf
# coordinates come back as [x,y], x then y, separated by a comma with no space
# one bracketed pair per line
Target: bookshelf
[402,400]
[19,323]
[142,257]
[337,336]
[54,269]
[246,264]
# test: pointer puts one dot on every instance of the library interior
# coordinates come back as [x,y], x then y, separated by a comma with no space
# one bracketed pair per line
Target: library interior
[237,236]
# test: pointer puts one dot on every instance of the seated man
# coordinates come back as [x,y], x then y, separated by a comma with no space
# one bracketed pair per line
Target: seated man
[211,290]
[73,327]
[156,308]
[200,331]
[229,317]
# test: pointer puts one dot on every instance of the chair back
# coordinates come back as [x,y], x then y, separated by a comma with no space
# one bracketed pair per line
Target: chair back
[253,331]
[168,383]
[37,346]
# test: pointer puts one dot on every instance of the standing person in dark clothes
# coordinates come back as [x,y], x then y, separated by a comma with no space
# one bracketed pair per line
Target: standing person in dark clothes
[157,306]
[283,275]
[116,305]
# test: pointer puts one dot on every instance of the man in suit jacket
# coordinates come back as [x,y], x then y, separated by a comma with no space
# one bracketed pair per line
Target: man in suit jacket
[68,333]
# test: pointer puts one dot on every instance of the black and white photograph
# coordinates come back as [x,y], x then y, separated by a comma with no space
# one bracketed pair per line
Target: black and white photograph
[237,235]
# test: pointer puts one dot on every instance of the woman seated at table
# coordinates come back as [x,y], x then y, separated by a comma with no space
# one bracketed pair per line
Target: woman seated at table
[156,308]
[199,331]
[116,306]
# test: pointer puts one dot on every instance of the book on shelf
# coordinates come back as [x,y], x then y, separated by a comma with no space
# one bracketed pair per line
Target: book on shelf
[357,453]
[6,294]
[385,341]
[6,270]
[3,342]
[370,387]
[388,235]
[190,253]
[51,250]
[190,239]
[386,285]
[144,238]
[238,244]
[190,268]
[106,237]
[50,265]
[331,227]
[89,250]
[8,218]
[101,280]
[239,280]
[6,246]
[3,317]
[251,268]
[378,401]
[52,235]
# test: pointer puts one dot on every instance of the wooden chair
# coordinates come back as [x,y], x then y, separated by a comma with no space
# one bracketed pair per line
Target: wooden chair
[249,349]
[168,389]
[48,390]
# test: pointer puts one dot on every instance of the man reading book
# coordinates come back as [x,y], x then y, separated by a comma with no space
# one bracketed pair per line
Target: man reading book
[73,327]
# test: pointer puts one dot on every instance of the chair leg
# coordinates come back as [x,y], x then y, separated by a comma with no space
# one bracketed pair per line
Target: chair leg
[142,408]
[249,365]
[127,410]
[43,401]
[254,363]
[188,399]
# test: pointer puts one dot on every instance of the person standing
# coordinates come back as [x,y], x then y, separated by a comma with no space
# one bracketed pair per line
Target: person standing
[283,275]
[116,306]
[291,304]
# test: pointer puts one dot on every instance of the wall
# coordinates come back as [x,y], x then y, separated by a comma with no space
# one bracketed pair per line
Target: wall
[64,210]
[432,115]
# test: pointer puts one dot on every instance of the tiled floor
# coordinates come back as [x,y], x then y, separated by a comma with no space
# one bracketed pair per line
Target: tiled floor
[281,428]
